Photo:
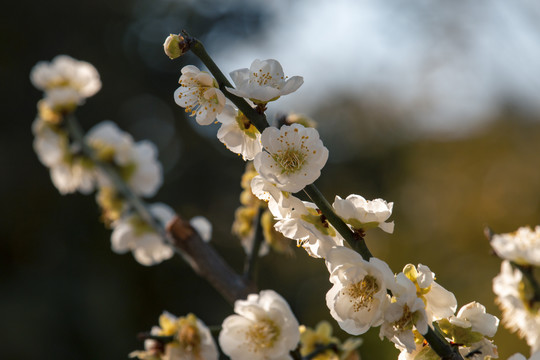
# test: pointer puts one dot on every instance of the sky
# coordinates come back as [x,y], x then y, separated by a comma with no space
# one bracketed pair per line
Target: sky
[446,66]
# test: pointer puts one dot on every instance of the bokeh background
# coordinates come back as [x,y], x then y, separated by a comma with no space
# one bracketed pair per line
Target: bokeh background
[432,105]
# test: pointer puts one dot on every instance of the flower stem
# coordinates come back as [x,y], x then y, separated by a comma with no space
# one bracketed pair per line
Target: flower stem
[440,346]
[251,260]
[352,238]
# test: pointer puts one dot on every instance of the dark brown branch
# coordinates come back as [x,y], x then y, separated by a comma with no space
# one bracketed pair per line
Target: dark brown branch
[207,263]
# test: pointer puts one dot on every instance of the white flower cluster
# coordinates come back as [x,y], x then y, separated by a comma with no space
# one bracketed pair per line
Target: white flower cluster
[72,168]
[360,299]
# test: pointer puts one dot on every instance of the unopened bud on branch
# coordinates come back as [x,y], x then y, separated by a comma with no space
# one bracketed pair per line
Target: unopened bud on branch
[175,46]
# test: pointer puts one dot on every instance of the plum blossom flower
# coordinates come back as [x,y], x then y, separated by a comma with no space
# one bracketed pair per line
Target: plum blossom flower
[404,314]
[440,303]
[199,95]
[293,157]
[513,295]
[264,328]
[66,81]
[238,134]
[474,316]
[521,246]
[358,299]
[137,163]
[264,81]
[190,340]
[296,219]
[132,233]
[364,214]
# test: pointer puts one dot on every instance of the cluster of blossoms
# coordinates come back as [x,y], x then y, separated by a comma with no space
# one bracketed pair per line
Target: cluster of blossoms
[365,292]
[263,327]
[516,289]
[85,164]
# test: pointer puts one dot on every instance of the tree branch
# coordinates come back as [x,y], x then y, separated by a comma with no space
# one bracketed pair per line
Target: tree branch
[207,263]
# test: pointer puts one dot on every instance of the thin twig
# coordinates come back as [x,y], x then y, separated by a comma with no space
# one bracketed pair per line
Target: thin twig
[250,266]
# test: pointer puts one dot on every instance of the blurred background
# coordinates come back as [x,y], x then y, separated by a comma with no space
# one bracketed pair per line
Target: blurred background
[433,106]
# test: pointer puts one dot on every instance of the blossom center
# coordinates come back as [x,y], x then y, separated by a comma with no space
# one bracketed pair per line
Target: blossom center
[406,321]
[262,335]
[189,338]
[290,161]
[264,79]
[362,293]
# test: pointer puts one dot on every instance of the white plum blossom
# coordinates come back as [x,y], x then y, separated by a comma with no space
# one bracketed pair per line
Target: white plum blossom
[358,299]
[137,163]
[191,340]
[440,303]
[474,316]
[280,203]
[199,95]
[264,81]
[364,214]
[513,295]
[293,157]
[132,233]
[404,314]
[521,246]
[264,328]
[296,219]
[65,81]
[238,134]
[304,223]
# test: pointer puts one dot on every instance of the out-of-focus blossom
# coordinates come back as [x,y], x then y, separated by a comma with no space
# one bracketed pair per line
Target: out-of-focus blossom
[264,81]
[514,295]
[364,214]
[132,233]
[199,95]
[69,169]
[137,163]
[203,226]
[65,81]
[264,328]
[521,246]
[312,340]
[535,356]
[188,339]
[293,157]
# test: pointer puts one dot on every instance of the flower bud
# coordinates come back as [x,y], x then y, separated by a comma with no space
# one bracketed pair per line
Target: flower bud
[175,46]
